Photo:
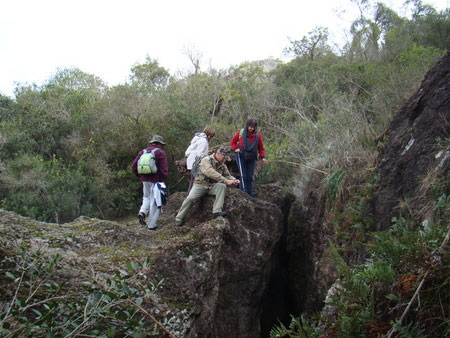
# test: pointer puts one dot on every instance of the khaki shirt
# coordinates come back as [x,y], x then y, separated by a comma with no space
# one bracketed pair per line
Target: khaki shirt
[212,171]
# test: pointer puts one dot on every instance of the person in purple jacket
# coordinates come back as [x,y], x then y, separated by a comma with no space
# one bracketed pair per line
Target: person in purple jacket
[154,185]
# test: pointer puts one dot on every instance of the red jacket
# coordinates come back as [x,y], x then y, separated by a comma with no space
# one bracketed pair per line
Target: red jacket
[161,162]
[238,142]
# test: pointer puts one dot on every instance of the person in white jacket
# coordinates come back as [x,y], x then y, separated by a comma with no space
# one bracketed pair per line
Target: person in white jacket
[199,146]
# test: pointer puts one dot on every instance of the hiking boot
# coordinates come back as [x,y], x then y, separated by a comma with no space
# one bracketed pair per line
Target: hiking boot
[220,214]
[154,228]
[178,223]
[141,217]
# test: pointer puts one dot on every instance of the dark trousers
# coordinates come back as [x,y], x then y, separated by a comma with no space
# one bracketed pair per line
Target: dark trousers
[248,168]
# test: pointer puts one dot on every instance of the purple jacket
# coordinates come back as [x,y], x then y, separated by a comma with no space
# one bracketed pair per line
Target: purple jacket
[161,162]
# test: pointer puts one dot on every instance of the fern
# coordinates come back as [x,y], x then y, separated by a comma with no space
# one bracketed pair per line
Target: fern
[408,331]
[298,328]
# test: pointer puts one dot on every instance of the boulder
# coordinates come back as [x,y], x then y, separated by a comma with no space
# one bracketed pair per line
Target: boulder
[415,149]
[214,271]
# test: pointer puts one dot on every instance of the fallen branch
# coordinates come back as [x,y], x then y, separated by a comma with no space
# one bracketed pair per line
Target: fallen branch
[152,319]
[301,165]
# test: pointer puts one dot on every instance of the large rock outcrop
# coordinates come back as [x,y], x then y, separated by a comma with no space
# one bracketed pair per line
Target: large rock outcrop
[415,150]
[215,271]
[229,263]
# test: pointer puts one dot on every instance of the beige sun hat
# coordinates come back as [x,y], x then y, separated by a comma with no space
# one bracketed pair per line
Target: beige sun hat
[157,139]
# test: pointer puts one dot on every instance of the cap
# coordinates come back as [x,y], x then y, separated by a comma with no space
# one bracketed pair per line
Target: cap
[157,139]
[225,151]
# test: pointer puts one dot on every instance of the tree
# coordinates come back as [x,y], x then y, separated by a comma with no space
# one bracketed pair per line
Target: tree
[194,56]
[380,32]
[74,79]
[366,35]
[149,75]
[6,108]
[430,28]
[312,46]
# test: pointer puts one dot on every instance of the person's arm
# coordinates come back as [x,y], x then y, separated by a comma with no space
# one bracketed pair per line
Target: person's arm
[208,170]
[234,143]
[261,149]
[227,175]
[161,161]
[190,148]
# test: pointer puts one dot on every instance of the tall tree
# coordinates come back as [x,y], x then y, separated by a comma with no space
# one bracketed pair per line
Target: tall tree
[312,46]
[149,75]
[366,34]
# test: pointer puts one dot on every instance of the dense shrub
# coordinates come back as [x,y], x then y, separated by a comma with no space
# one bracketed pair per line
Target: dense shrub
[321,111]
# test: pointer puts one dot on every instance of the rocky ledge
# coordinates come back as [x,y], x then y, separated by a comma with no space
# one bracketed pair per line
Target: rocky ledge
[214,272]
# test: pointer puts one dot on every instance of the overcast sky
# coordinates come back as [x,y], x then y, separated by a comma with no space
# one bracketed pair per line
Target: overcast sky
[107,37]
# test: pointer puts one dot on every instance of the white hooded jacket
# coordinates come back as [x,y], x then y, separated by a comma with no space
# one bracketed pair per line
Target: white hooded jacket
[199,146]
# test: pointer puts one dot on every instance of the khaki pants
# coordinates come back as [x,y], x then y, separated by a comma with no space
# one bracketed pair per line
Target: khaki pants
[198,191]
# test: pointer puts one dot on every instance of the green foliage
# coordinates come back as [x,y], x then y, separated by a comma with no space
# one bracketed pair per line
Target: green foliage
[149,75]
[353,216]
[323,119]
[6,108]
[410,330]
[312,46]
[334,182]
[427,28]
[38,303]
[276,169]
[247,94]
[66,149]
[49,190]
[299,327]
[371,296]
[321,111]
[48,121]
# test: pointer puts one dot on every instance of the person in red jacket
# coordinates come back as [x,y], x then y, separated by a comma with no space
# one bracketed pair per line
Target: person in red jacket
[248,145]
[154,185]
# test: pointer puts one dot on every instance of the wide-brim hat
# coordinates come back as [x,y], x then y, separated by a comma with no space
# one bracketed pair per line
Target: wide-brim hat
[157,139]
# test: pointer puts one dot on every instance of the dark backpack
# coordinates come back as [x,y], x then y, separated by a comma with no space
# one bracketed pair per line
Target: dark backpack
[147,163]
[195,171]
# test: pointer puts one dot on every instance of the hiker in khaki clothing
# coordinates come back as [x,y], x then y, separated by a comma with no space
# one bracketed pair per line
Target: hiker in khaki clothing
[213,180]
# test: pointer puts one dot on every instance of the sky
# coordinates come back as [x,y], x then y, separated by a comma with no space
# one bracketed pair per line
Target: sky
[107,37]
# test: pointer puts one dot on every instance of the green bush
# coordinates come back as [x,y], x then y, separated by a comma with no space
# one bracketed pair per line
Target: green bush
[48,190]
[40,304]
[322,112]
[371,297]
